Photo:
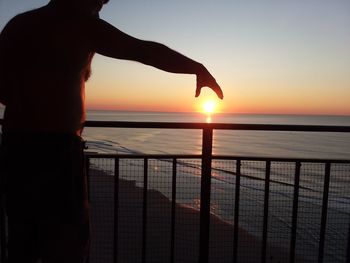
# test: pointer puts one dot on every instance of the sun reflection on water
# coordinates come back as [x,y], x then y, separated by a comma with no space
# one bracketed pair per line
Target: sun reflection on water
[208,119]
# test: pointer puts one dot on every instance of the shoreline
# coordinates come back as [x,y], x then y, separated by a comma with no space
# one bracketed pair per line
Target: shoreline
[158,219]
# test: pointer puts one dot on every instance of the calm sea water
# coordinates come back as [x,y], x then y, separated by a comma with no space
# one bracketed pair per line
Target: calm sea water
[246,143]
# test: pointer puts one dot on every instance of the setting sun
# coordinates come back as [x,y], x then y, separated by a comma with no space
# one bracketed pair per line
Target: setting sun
[209,107]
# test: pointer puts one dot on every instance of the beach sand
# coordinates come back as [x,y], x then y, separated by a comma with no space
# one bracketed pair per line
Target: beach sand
[158,238]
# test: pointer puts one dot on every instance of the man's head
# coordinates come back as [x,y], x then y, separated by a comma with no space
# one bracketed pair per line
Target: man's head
[87,7]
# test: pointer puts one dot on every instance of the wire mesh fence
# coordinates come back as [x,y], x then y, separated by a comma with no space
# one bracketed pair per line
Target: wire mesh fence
[147,210]
[152,223]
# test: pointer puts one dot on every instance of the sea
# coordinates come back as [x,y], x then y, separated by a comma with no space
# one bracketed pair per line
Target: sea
[243,143]
[311,145]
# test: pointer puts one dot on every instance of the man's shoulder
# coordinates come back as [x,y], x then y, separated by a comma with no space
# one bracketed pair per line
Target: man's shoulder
[23,19]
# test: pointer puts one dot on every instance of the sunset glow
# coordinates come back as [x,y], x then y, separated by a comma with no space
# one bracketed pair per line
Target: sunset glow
[209,107]
[265,60]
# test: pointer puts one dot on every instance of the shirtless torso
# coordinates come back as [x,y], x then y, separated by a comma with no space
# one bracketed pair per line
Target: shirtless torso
[46,64]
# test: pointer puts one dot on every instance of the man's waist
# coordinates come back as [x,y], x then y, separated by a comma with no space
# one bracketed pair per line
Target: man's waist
[41,139]
[46,121]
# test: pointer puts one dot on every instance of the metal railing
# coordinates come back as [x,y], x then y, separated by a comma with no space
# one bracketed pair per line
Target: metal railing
[207,158]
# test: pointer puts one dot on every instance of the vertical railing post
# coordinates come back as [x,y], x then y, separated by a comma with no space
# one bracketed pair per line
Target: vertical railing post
[116,208]
[295,212]
[348,247]
[144,223]
[87,173]
[207,145]
[266,211]
[236,213]
[324,211]
[173,211]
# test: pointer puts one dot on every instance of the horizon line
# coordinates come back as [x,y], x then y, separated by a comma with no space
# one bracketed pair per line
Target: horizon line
[216,113]
[237,113]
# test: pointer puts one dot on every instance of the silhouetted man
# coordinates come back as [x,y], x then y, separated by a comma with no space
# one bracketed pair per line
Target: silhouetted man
[45,58]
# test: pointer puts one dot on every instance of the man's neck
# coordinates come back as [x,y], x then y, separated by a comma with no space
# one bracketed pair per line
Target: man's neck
[70,8]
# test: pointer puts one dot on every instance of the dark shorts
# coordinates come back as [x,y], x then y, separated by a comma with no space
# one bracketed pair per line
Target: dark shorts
[44,184]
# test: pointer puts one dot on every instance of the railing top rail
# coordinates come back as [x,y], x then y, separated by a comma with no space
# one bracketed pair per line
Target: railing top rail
[217,126]
[214,126]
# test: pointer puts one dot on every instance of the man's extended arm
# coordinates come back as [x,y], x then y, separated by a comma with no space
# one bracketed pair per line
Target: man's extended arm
[111,42]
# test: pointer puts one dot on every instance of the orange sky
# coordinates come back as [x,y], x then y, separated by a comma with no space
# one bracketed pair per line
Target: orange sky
[268,56]
[154,90]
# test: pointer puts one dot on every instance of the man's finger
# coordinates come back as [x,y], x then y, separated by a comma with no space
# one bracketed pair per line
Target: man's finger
[198,91]
[218,90]
[219,93]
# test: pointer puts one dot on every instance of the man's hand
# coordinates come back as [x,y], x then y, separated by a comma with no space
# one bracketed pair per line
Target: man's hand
[205,79]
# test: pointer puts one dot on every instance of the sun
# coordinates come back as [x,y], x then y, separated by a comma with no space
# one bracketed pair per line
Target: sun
[209,107]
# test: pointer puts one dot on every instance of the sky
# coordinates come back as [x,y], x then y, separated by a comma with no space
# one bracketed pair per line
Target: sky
[269,56]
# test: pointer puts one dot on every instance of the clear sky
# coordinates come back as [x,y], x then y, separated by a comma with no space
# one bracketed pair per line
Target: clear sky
[269,56]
